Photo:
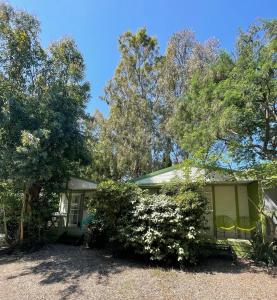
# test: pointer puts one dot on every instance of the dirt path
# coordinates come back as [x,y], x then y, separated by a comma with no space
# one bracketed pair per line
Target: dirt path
[68,272]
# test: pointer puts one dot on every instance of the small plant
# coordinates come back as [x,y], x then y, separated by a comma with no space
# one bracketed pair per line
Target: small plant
[263,250]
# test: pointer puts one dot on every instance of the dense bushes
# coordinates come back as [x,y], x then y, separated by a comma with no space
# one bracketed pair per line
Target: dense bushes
[162,227]
[112,201]
[263,250]
[10,202]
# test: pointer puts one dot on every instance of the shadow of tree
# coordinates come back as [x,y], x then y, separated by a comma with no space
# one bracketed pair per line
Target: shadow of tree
[213,266]
[71,264]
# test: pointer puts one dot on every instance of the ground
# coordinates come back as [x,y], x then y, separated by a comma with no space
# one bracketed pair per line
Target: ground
[69,272]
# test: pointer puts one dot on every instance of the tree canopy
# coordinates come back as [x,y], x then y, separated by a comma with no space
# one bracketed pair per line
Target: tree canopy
[229,109]
[43,98]
[137,136]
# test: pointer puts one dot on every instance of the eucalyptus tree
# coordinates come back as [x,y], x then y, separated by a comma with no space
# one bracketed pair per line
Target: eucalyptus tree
[132,97]
[183,57]
[43,97]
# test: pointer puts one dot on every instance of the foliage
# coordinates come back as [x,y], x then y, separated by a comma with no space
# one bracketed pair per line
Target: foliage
[184,56]
[263,251]
[239,96]
[130,133]
[164,229]
[161,227]
[136,137]
[111,201]
[10,203]
[42,104]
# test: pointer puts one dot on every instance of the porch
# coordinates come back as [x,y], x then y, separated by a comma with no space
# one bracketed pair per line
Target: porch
[72,216]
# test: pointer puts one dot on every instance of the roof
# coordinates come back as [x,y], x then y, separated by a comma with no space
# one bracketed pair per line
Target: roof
[161,171]
[211,176]
[85,179]
[76,183]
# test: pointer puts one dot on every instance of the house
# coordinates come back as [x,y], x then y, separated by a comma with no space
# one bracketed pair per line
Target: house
[232,200]
[73,211]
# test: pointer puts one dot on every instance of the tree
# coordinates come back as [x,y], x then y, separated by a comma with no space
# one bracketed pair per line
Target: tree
[104,163]
[228,113]
[230,106]
[10,200]
[132,96]
[142,95]
[43,97]
[184,56]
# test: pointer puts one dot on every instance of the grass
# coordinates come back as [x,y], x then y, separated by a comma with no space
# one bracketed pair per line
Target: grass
[242,248]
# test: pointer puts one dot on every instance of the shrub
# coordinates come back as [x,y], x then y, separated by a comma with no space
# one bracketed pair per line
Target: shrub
[162,227]
[262,250]
[111,201]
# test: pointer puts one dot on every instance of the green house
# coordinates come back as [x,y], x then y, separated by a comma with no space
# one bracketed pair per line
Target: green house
[232,200]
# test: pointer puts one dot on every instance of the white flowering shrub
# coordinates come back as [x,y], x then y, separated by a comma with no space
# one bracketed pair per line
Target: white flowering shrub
[162,227]
[165,229]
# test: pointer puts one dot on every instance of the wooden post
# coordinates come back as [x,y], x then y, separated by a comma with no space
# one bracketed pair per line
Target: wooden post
[262,217]
[214,211]
[237,208]
[81,209]
[68,209]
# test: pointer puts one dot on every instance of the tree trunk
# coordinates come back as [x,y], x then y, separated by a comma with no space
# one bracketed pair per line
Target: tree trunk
[5,222]
[31,195]
[21,227]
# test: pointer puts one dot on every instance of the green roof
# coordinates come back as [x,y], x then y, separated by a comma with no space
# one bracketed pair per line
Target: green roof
[161,171]
[176,167]
[85,179]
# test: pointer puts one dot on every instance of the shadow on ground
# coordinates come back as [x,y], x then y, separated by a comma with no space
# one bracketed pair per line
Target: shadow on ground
[71,265]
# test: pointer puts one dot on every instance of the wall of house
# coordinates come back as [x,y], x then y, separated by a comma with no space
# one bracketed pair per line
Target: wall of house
[227,206]
[253,193]
[63,205]
[270,201]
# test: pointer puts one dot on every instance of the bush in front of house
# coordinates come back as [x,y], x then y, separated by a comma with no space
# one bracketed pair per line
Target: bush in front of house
[110,204]
[164,228]
[264,251]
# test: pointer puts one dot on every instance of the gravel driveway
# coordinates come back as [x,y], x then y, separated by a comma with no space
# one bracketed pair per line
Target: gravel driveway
[68,272]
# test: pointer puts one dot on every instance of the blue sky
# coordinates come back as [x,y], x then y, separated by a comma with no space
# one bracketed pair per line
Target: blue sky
[96,24]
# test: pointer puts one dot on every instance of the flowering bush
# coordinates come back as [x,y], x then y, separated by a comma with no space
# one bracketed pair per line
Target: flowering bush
[164,229]
[161,227]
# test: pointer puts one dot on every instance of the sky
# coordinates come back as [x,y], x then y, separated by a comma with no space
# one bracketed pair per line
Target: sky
[95,25]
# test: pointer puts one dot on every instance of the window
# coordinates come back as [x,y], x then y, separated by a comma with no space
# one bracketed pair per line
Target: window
[75,209]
